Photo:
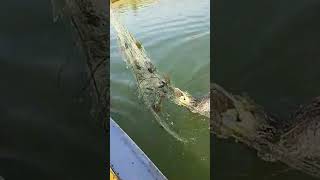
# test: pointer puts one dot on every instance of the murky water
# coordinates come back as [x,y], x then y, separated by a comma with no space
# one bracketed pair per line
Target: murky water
[46,131]
[176,35]
[270,51]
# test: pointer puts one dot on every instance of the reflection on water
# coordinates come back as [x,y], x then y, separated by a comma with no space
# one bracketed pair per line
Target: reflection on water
[175,34]
[272,53]
[134,5]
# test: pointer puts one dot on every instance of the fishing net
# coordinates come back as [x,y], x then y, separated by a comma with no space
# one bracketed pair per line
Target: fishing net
[89,23]
[153,88]
[294,142]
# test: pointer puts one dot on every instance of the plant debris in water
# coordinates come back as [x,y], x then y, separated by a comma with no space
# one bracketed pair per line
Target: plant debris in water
[153,88]
[295,142]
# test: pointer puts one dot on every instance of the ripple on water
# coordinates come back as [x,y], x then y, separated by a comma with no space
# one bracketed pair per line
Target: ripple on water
[176,36]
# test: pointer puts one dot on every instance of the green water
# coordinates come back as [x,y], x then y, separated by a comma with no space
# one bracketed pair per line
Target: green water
[176,35]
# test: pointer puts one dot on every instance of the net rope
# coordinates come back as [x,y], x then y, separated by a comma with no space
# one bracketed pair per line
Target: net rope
[153,88]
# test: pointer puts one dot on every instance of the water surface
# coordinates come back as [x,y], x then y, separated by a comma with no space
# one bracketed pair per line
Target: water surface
[270,51]
[176,36]
[46,131]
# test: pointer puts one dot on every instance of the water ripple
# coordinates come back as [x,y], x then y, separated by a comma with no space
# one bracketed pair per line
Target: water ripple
[176,36]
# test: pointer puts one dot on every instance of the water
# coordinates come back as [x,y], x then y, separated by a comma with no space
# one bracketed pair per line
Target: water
[46,132]
[269,50]
[176,35]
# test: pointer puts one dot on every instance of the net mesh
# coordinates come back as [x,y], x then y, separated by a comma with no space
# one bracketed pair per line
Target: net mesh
[153,88]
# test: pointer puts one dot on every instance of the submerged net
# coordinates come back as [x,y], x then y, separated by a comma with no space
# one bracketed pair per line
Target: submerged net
[89,24]
[294,142]
[153,88]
